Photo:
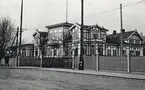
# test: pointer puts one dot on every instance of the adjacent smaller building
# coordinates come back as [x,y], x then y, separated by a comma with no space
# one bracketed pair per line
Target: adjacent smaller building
[132,43]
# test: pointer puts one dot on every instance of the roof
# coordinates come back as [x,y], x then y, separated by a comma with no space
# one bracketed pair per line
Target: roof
[143,37]
[115,38]
[42,33]
[90,26]
[59,25]
[124,35]
[100,27]
[28,44]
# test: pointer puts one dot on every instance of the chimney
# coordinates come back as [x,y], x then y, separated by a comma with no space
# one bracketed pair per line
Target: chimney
[114,31]
[123,30]
[141,33]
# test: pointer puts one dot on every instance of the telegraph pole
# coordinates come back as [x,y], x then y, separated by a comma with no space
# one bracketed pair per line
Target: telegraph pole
[121,37]
[81,63]
[21,22]
[66,10]
[17,35]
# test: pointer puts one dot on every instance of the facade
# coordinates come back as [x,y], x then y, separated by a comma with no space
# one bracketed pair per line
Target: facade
[64,39]
[40,43]
[27,50]
[132,44]
[58,39]
[94,39]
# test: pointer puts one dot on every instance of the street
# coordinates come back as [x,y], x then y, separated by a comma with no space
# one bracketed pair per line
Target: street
[38,79]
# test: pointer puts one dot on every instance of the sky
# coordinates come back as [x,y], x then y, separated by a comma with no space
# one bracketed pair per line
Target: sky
[40,13]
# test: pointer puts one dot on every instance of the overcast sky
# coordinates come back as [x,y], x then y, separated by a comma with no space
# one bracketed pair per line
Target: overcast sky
[39,13]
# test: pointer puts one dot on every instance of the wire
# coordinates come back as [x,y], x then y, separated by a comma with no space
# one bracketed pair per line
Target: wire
[114,9]
[100,13]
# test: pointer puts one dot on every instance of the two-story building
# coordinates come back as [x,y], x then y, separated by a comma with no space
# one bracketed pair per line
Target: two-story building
[40,43]
[64,37]
[57,44]
[132,43]
[94,38]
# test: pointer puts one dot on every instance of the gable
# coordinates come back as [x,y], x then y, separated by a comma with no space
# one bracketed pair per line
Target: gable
[135,36]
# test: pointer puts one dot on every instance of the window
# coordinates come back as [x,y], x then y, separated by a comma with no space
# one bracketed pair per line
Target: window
[36,53]
[137,53]
[76,52]
[23,52]
[100,50]
[93,50]
[131,52]
[137,41]
[85,35]
[109,52]
[114,52]
[85,50]
[55,52]
[131,41]
[95,36]
[31,52]
[102,36]
[124,52]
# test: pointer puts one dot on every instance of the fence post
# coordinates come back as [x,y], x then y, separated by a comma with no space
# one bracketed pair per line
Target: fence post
[128,61]
[128,64]
[97,58]
[97,62]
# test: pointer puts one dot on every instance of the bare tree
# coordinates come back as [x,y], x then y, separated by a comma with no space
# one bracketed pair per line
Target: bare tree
[6,30]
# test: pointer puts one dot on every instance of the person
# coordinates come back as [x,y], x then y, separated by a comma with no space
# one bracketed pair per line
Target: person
[7,60]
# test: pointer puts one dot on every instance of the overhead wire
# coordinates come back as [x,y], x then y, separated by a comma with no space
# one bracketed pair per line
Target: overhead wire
[100,13]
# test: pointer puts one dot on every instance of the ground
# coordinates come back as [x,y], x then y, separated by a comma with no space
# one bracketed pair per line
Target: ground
[38,79]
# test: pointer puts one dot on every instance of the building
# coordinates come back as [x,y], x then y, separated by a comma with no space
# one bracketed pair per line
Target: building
[40,43]
[132,43]
[57,44]
[27,50]
[143,36]
[94,39]
[64,38]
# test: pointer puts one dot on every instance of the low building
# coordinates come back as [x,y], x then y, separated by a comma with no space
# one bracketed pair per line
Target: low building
[132,43]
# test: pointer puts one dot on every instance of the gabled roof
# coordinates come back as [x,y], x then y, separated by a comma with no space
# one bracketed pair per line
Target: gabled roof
[115,38]
[124,35]
[79,25]
[101,28]
[42,33]
[143,36]
[89,26]
[59,25]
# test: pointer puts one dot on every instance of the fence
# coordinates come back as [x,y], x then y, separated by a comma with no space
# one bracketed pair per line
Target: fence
[137,64]
[114,63]
[61,62]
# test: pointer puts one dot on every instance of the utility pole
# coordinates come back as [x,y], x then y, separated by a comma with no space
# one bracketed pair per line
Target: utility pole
[81,63]
[21,22]
[121,37]
[66,10]
[17,35]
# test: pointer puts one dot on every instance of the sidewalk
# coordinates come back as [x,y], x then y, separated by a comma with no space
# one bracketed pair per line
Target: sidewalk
[97,73]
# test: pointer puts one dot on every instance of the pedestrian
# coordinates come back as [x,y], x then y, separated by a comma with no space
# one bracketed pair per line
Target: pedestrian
[7,60]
